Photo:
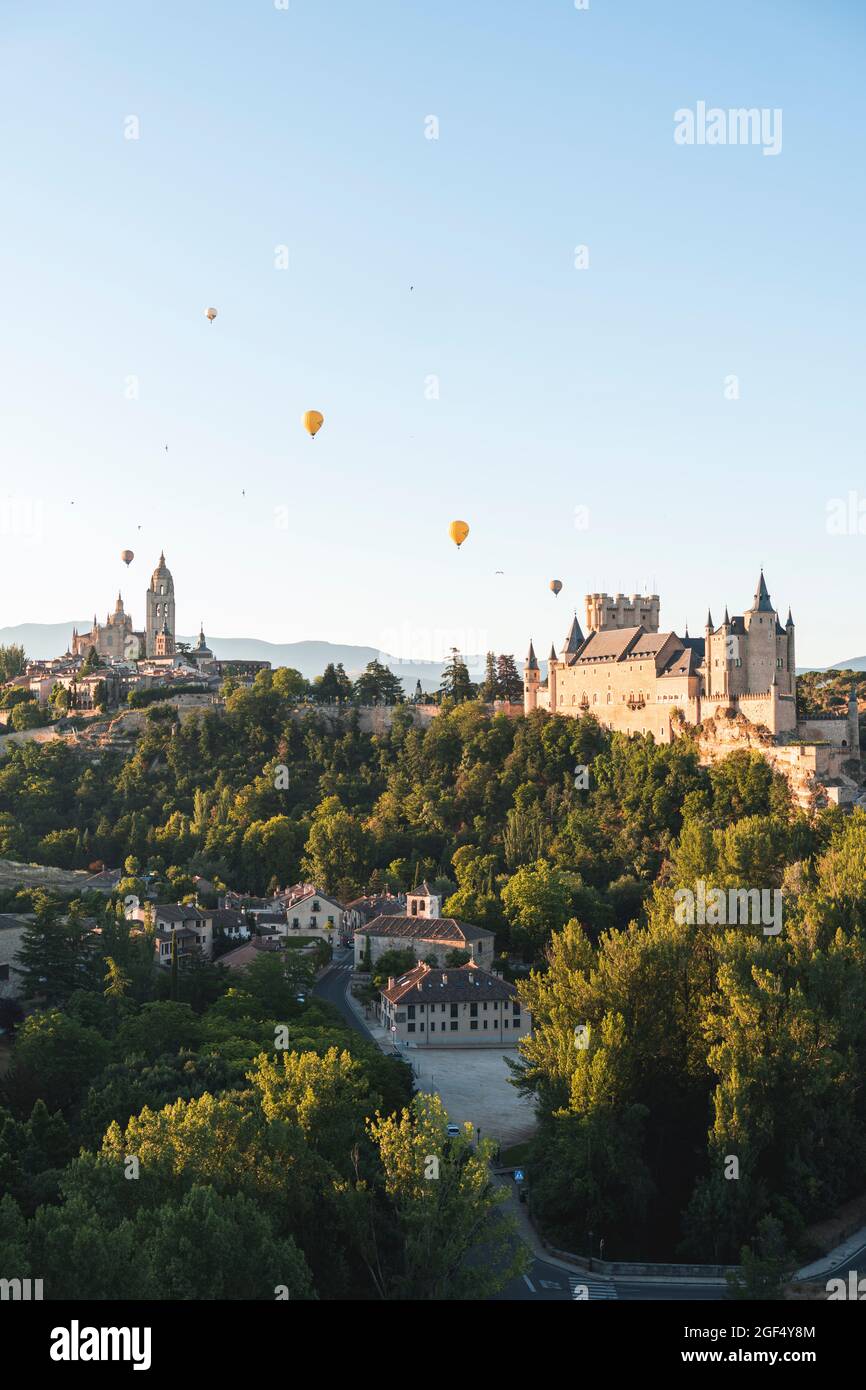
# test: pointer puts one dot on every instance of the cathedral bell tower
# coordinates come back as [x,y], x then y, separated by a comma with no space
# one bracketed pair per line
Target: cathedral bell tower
[159,607]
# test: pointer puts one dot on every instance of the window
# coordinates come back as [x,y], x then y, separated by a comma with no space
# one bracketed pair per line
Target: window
[453,1010]
[316,907]
[410,1027]
[473,1010]
[432,1027]
[485,1023]
[474,1024]
[506,1022]
[454,1027]
[410,1011]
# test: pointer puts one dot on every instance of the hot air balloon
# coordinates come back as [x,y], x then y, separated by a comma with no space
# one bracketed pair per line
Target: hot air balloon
[313,422]
[210,314]
[127,557]
[458,531]
[555,585]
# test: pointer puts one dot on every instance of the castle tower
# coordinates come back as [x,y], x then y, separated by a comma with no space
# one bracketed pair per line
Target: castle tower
[159,607]
[792,660]
[759,658]
[551,679]
[531,680]
[639,610]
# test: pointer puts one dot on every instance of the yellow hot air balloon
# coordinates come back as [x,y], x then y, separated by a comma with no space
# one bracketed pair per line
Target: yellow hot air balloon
[210,314]
[458,531]
[313,422]
[127,557]
[556,585]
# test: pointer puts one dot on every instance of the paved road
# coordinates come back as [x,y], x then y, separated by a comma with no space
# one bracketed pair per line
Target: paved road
[332,987]
[550,1283]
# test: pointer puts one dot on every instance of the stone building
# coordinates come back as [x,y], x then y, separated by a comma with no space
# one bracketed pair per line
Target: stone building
[636,679]
[423,932]
[113,640]
[444,1008]
[116,640]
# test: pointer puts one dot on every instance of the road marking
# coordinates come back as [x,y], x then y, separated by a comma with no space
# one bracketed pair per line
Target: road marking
[550,1283]
[529,1283]
[581,1289]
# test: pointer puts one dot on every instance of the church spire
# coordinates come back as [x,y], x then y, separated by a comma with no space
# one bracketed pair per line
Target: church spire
[531,660]
[709,619]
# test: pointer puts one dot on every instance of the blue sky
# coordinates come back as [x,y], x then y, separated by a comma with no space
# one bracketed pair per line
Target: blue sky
[559,388]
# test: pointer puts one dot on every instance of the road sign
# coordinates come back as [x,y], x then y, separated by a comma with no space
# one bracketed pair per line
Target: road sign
[518,1175]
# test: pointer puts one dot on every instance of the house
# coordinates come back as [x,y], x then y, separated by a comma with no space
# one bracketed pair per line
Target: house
[192,926]
[11,936]
[312,913]
[442,1008]
[423,932]
[228,924]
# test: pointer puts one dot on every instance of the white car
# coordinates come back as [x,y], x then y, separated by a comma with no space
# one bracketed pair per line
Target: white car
[453,1131]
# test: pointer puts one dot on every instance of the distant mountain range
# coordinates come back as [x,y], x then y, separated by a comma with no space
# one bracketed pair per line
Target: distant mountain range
[44,640]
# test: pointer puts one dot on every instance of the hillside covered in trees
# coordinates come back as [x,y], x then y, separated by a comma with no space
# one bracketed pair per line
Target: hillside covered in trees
[698,1043]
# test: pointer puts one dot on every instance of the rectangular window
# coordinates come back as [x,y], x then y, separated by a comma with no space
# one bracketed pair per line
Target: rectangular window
[506,1022]
[410,1027]
[474,1023]
[453,1010]
[454,1027]
[432,1027]
[401,1017]
[410,1011]
[485,1023]
[473,1010]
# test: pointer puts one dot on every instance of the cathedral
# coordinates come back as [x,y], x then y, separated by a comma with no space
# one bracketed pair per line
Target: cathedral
[115,639]
[633,677]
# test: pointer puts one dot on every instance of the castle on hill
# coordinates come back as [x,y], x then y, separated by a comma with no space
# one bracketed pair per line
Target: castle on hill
[639,680]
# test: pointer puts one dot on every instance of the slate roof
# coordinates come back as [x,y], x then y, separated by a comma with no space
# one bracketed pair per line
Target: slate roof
[185,912]
[424,929]
[466,983]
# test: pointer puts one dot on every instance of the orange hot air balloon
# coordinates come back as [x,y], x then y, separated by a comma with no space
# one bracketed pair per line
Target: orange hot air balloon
[313,422]
[127,557]
[210,314]
[555,585]
[458,531]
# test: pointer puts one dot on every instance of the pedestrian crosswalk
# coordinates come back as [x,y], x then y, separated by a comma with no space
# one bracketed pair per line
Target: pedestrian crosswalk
[583,1290]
